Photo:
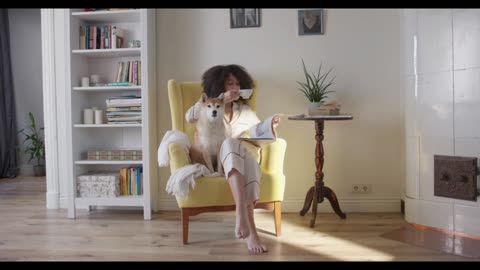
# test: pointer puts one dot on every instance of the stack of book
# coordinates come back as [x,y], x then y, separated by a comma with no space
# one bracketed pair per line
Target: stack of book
[332,108]
[106,154]
[125,109]
[127,73]
[131,181]
[94,37]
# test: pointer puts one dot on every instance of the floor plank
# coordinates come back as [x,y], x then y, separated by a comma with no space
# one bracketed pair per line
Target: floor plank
[30,232]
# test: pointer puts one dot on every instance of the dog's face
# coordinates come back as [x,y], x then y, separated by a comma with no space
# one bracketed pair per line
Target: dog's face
[213,109]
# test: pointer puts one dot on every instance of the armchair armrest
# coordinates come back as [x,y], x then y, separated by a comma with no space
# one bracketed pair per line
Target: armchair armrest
[178,156]
[272,156]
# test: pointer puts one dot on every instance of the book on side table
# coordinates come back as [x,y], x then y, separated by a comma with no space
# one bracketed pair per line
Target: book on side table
[332,108]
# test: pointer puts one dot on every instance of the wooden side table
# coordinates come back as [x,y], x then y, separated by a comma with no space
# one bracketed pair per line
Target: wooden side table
[319,191]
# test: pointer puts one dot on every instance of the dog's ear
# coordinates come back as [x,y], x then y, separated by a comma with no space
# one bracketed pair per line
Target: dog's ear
[204,97]
[221,97]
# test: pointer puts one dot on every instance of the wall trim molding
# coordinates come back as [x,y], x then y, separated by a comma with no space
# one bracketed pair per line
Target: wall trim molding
[295,205]
[49,108]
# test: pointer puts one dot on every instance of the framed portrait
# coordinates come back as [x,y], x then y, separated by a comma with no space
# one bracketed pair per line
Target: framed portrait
[310,22]
[244,17]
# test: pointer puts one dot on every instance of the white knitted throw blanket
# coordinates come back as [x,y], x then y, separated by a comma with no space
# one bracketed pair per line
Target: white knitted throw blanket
[178,183]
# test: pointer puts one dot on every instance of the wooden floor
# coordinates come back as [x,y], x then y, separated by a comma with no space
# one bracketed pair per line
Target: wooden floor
[28,231]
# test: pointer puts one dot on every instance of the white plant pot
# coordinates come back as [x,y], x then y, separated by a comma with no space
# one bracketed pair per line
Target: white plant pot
[314,105]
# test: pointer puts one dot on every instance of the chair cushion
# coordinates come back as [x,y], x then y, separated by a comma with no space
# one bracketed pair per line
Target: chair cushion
[215,191]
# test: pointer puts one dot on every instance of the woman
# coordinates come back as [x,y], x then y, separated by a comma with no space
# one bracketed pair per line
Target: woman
[239,159]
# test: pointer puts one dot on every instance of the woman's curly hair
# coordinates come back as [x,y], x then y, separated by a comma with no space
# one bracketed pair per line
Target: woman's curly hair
[213,80]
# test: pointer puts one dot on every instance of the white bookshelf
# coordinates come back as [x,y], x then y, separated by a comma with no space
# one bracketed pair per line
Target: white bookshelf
[106,125]
[109,52]
[109,16]
[107,88]
[109,162]
[131,200]
[138,24]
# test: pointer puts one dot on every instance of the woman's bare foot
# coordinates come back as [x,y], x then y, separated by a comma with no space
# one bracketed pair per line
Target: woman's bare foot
[242,229]
[255,245]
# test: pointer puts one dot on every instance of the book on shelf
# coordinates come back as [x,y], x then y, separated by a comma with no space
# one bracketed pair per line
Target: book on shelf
[262,133]
[124,101]
[131,181]
[117,37]
[124,123]
[127,73]
[122,118]
[118,84]
[124,113]
[93,36]
[114,157]
[125,109]
[115,152]
[106,154]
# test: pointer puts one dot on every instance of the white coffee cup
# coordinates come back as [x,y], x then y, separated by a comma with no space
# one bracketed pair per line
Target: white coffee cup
[246,93]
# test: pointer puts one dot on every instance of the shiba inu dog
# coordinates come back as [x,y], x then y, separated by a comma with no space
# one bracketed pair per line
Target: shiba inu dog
[210,132]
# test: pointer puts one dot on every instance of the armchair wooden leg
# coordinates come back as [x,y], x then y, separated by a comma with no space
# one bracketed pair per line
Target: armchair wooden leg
[185,219]
[277,212]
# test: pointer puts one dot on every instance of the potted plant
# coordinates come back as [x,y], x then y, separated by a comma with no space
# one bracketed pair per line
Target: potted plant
[34,145]
[315,88]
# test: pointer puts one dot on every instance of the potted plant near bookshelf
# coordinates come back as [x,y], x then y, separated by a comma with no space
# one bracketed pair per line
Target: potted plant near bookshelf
[315,87]
[34,144]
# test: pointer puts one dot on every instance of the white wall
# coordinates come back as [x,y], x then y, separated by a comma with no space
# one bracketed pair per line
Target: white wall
[442,101]
[26,57]
[363,48]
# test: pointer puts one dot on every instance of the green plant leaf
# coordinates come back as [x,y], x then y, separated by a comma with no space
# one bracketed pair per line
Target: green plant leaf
[34,144]
[314,87]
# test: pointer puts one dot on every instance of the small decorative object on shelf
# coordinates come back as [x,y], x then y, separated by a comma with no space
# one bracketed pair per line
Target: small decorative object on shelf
[134,43]
[113,154]
[88,116]
[85,82]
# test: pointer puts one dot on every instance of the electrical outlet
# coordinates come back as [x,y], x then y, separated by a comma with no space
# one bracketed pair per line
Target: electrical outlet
[362,188]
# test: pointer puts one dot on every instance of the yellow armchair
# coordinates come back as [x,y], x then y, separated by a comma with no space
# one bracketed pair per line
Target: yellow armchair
[213,194]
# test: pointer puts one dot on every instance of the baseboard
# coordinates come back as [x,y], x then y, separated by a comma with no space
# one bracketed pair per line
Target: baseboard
[348,205]
[168,204]
[64,204]
[295,205]
[52,200]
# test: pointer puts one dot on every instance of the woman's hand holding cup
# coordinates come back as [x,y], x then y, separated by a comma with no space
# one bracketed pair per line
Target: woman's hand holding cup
[231,95]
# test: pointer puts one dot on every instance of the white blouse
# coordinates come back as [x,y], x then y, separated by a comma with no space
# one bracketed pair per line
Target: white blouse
[243,117]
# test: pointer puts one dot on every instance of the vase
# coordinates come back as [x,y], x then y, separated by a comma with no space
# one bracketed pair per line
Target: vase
[314,105]
[39,170]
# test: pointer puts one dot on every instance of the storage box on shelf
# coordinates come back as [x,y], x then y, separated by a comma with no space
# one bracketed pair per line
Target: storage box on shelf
[97,184]
[118,72]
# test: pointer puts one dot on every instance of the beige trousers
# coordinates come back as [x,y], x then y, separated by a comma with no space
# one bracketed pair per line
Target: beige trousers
[244,157]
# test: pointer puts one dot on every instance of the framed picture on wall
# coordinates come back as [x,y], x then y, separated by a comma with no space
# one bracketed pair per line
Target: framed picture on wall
[244,17]
[310,22]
